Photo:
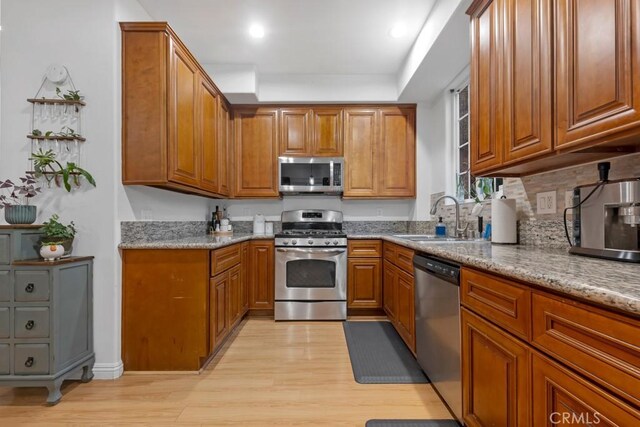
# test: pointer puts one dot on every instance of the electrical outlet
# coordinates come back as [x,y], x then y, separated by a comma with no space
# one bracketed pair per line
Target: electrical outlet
[246,212]
[146,214]
[568,199]
[379,212]
[546,202]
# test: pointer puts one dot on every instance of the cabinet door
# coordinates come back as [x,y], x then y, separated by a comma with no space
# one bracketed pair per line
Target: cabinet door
[495,376]
[224,148]
[389,278]
[244,291]
[184,151]
[295,132]
[327,132]
[256,136]
[561,397]
[262,275]
[528,77]
[486,79]
[405,319]
[219,309]
[360,154]
[235,301]
[364,283]
[208,134]
[397,152]
[597,69]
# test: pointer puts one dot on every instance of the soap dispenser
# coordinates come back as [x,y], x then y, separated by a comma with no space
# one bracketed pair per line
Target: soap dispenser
[441,229]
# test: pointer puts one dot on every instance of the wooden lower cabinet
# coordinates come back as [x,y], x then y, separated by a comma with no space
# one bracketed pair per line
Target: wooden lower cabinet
[219,312]
[398,304]
[244,282]
[389,291]
[561,397]
[364,288]
[261,274]
[495,375]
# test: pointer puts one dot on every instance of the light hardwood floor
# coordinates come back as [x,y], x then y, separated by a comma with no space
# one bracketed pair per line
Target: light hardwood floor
[268,373]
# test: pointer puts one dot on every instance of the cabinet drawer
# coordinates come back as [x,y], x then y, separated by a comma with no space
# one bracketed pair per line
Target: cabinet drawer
[5,322]
[364,248]
[601,345]
[31,286]
[404,259]
[389,252]
[5,249]
[5,285]
[5,359]
[31,359]
[31,322]
[564,398]
[225,258]
[505,303]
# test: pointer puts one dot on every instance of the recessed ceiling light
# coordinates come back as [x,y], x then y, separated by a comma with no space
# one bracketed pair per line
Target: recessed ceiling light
[256,31]
[398,31]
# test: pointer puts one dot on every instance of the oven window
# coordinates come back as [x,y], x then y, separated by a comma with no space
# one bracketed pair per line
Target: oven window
[310,273]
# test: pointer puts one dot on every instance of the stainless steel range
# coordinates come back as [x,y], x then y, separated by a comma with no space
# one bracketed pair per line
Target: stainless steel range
[311,266]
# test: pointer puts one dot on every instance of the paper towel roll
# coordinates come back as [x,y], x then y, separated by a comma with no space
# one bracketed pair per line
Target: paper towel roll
[504,227]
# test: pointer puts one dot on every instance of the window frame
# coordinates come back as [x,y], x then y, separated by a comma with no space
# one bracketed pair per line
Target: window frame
[457,148]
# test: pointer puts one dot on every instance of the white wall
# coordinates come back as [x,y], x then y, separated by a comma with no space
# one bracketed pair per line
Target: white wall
[84,36]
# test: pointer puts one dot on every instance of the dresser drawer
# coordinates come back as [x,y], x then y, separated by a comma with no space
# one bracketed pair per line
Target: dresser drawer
[5,322]
[364,248]
[5,359]
[31,286]
[225,258]
[31,322]
[31,359]
[601,345]
[5,249]
[502,301]
[5,285]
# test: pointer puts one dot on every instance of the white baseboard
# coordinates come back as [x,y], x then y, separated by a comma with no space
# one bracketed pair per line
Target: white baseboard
[108,371]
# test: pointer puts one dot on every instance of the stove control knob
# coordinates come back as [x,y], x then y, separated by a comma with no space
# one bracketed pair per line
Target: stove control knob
[294,242]
[285,242]
[335,243]
[310,241]
[327,242]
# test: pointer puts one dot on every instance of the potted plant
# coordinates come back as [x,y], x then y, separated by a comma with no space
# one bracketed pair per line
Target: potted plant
[16,198]
[46,164]
[56,233]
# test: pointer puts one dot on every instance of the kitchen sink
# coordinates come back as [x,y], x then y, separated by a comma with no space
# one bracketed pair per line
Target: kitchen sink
[429,238]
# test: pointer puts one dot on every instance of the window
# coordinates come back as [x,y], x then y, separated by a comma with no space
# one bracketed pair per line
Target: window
[468,187]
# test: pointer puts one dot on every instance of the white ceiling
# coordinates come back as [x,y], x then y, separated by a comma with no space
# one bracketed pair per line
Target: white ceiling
[302,36]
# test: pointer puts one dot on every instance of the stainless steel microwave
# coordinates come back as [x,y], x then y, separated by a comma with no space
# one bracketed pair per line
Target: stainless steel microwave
[310,175]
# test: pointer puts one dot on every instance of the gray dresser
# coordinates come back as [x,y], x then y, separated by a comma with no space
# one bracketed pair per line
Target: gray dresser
[46,314]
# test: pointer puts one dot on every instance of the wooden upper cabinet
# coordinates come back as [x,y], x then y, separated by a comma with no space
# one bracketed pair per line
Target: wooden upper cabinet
[256,149]
[169,114]
[527,83]
[295,132]
[184,165]
[397,152]
[326,135]
[486,112]
[360,152]
[224,148]
[597,69]
[208,116]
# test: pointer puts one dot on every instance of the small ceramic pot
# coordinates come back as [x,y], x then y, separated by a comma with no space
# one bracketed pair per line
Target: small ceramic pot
[68,246]
[20,214]
[51,251]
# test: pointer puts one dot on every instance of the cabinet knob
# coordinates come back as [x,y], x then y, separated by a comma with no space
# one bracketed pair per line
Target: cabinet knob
[29,362]
[30,324]
[30,287]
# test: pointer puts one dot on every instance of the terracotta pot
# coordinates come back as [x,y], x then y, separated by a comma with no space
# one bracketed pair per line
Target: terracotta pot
[20,214]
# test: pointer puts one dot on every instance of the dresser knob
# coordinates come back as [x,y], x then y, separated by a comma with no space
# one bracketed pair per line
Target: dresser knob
[30,287]
[29,362]
[30,324]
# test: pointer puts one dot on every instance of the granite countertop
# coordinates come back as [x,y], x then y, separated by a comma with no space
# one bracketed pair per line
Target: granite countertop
[610,283]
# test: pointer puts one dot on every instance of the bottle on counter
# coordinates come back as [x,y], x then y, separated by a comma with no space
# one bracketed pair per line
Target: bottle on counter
[441,229]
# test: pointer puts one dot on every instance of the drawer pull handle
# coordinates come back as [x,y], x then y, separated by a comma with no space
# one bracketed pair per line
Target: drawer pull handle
[29,362]
[30,324]
[30,287]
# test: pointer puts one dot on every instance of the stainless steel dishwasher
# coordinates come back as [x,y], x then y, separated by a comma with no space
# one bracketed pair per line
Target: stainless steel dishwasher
[437,312]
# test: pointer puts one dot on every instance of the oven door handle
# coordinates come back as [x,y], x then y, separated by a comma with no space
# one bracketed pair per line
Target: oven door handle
[314,250]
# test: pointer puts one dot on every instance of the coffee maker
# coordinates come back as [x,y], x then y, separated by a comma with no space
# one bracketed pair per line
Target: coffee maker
[606,218]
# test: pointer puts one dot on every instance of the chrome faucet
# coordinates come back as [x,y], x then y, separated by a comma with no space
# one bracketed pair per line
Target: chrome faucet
[460,232]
